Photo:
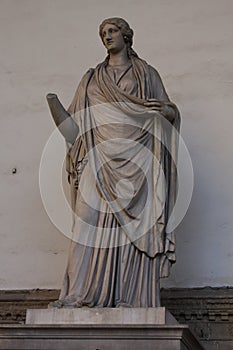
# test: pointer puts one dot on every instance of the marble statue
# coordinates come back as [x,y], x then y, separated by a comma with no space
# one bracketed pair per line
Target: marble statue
[121,135]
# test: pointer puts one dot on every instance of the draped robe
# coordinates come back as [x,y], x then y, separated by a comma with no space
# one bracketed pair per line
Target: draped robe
[123,188]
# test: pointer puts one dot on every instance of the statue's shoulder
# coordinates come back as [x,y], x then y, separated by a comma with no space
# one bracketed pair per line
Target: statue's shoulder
[88,73]
[149,69]
[154,75]
[86,78]
[153,71]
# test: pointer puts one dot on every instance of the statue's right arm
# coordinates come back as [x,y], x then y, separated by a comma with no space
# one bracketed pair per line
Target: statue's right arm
[62,119]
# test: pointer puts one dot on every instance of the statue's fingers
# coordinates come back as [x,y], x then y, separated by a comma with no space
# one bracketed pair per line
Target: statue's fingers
[151,111]
[154,109]
[152,103]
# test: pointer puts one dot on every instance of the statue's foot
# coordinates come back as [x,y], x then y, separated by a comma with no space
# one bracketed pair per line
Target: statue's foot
[55,304]
[65,304]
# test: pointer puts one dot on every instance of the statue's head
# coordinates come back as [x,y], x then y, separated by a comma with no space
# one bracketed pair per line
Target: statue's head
[125,29]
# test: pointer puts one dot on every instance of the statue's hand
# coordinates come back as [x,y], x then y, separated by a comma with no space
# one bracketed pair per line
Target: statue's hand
[155,105]
[162,107]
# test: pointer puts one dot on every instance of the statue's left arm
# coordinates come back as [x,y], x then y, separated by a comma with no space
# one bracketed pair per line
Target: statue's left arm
[160,101]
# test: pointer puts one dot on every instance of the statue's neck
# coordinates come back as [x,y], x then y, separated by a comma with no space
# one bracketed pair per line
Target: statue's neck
[119,58]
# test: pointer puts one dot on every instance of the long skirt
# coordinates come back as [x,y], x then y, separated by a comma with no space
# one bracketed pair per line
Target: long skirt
[107,270]
[110,277]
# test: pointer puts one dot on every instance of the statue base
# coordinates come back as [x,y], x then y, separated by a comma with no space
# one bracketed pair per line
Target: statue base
[99,329]
[100,316]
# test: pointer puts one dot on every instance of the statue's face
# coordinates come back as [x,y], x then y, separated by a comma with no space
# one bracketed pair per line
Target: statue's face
[112,38]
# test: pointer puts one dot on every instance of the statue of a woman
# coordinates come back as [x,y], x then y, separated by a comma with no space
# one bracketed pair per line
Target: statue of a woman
[121,134]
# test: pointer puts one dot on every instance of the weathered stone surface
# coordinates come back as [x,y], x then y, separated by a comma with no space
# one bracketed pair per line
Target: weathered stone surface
[14,303]
[101,316]
[60,337]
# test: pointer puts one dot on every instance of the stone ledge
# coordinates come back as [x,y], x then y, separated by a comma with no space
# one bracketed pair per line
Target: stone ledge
[99,337]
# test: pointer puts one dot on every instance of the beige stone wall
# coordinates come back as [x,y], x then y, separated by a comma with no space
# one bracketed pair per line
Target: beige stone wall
[46,46]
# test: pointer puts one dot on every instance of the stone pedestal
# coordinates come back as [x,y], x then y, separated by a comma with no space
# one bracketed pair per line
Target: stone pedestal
[99,329]
[101,316]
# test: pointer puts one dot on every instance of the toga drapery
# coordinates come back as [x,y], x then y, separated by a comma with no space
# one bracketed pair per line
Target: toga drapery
[123,188]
